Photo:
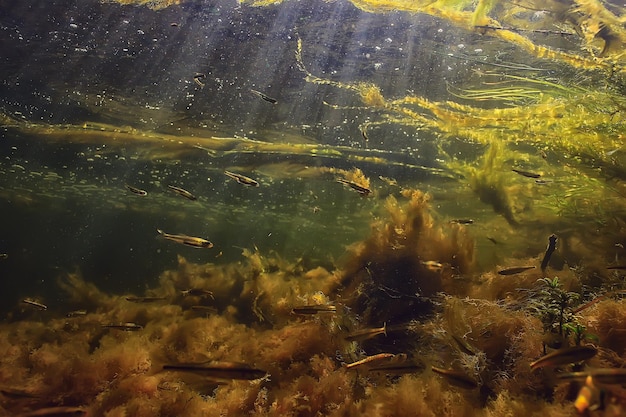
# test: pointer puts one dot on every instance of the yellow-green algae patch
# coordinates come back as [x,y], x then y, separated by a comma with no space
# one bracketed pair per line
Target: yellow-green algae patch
[151,4]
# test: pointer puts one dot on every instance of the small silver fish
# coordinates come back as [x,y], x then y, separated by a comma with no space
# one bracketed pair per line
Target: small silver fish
[462,221]
[129,327]
[526,174]
[515,270]
[242,179]
[10,392]
[76,313]
[365,334]
[204,309]
[314,309]
[549,250]
[61,411]
[363,191]
[564,356]
[264,96]
[197,292]
[35,304]
[608,376]
[144,299]
[182,192]
[371,360]
[198,77]
[220,370]
[433,265]
[464,346]
[387,180]
[399,369]
[136,190]
[195,242]
[456,378]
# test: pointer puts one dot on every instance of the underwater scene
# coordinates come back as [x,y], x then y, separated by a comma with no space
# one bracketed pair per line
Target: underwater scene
[313,208]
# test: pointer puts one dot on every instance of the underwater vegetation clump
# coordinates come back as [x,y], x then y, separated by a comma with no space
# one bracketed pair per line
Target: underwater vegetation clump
[492,342]
[490,185]
[406,257]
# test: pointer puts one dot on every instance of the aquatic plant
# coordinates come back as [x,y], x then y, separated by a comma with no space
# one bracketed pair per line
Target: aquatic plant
[488,182]
[554,306]
[394,261]
[503,340]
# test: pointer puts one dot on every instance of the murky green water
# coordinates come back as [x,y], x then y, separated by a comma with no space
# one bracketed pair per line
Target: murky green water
[96,96]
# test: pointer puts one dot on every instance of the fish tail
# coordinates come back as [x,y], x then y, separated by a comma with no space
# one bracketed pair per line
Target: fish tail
[385,329]
[161,232]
